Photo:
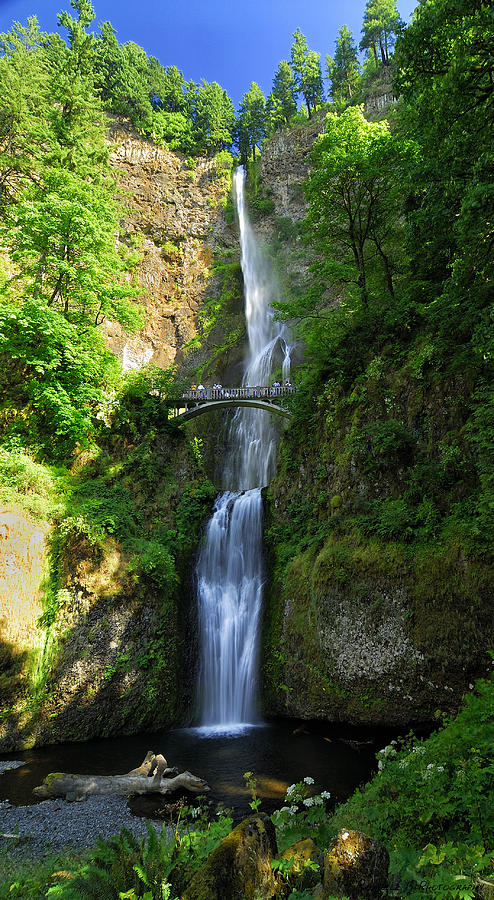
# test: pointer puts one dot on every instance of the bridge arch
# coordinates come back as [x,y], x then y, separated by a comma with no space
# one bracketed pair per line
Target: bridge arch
[205,406]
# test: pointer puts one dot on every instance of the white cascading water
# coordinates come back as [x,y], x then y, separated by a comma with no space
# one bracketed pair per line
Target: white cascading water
[230,567]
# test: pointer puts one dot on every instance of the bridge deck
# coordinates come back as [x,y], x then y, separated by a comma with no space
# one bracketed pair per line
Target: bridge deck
[196,402]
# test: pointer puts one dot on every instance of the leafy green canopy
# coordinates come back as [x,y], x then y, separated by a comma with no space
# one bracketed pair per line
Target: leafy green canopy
[381,25]
[59,222]
[352,202]
[400,222]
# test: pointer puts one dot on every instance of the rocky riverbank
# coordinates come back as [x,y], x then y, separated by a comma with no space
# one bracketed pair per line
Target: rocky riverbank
[53,825]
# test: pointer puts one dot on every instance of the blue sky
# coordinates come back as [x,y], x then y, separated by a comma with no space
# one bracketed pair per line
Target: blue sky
[228,42]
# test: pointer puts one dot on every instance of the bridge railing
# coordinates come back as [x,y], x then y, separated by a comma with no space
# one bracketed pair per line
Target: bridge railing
[241,393]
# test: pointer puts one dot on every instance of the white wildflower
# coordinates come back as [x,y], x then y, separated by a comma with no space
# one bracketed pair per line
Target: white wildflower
[440,768]
[293,810]
[309,801]
[308,780]
[318,801]
[291,790]
[325,795]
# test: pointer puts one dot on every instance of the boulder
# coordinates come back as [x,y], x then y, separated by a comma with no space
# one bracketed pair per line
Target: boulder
[355,867]
[240,867]
[301,876]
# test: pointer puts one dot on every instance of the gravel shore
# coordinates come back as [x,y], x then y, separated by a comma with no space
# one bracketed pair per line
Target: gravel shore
[53,825]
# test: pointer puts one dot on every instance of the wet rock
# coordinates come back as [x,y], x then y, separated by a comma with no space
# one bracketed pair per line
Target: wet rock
[355,867]
[240,867]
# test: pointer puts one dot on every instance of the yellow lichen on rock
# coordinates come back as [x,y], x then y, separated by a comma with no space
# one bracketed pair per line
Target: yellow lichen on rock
[22,564]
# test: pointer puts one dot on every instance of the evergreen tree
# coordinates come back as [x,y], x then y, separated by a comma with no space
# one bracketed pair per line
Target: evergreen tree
[381,25]
[306,70]
[344,69]
[251,121]
[123,77]
[281,105]
[214,117]
[24,106]
[169,89]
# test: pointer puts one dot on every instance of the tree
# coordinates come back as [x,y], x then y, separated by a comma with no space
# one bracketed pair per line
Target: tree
[306,70]
[444,72]
[63,239]
[251,121]
[281,105]
[24,106]
[214,117]
[344,69]
[352,193]
[169,89]
[381,25]
[123,77]
[61,234]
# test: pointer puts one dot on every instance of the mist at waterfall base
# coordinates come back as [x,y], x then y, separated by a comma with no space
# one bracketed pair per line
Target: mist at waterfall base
[229,572]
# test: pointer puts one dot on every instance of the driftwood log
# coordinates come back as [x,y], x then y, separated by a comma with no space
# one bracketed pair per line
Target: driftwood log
[152,776]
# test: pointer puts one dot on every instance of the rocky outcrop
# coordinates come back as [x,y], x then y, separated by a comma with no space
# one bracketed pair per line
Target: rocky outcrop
[93,633]
[174,217]
[240,867]
[386,624]
[283,168]
[355,867]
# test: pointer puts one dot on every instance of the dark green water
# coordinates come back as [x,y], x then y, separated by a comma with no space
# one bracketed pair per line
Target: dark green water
[338,759]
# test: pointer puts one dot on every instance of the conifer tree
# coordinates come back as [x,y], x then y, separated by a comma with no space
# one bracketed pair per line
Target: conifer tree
[344,69]
[214,117]
[281,105]
[306,68]
[251,121]
[381,25]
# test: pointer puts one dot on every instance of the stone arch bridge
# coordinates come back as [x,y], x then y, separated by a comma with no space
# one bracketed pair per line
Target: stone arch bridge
[197,402]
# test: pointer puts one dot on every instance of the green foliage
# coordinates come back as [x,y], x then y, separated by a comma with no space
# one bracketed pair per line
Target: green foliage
[352,200]
[26,878]
[344,69]
[382,24]
[214,117]
[53,376]
[155,562]
[28,484]
[281,105]
[306,70]
[304,814]
[432,804]
[251,123]
[157,866]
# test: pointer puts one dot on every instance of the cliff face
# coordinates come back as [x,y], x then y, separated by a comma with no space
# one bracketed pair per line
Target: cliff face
[93,633]
[174,216]
[365,623]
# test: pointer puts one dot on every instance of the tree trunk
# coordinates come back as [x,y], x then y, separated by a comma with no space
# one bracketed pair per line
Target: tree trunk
[152,776]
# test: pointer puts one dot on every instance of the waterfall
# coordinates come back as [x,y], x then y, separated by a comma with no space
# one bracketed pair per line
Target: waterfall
[230,569]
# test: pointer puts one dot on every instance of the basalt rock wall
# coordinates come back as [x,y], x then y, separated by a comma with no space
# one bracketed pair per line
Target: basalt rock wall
[377,628]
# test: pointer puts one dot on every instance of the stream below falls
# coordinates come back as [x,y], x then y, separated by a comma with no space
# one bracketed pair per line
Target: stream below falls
[338,758]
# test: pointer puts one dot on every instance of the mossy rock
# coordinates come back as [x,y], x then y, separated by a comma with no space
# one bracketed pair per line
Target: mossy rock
[306,864]
[356,867]
[240,867]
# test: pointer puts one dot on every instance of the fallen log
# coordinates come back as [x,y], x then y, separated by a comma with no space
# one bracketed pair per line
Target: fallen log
[152,776]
